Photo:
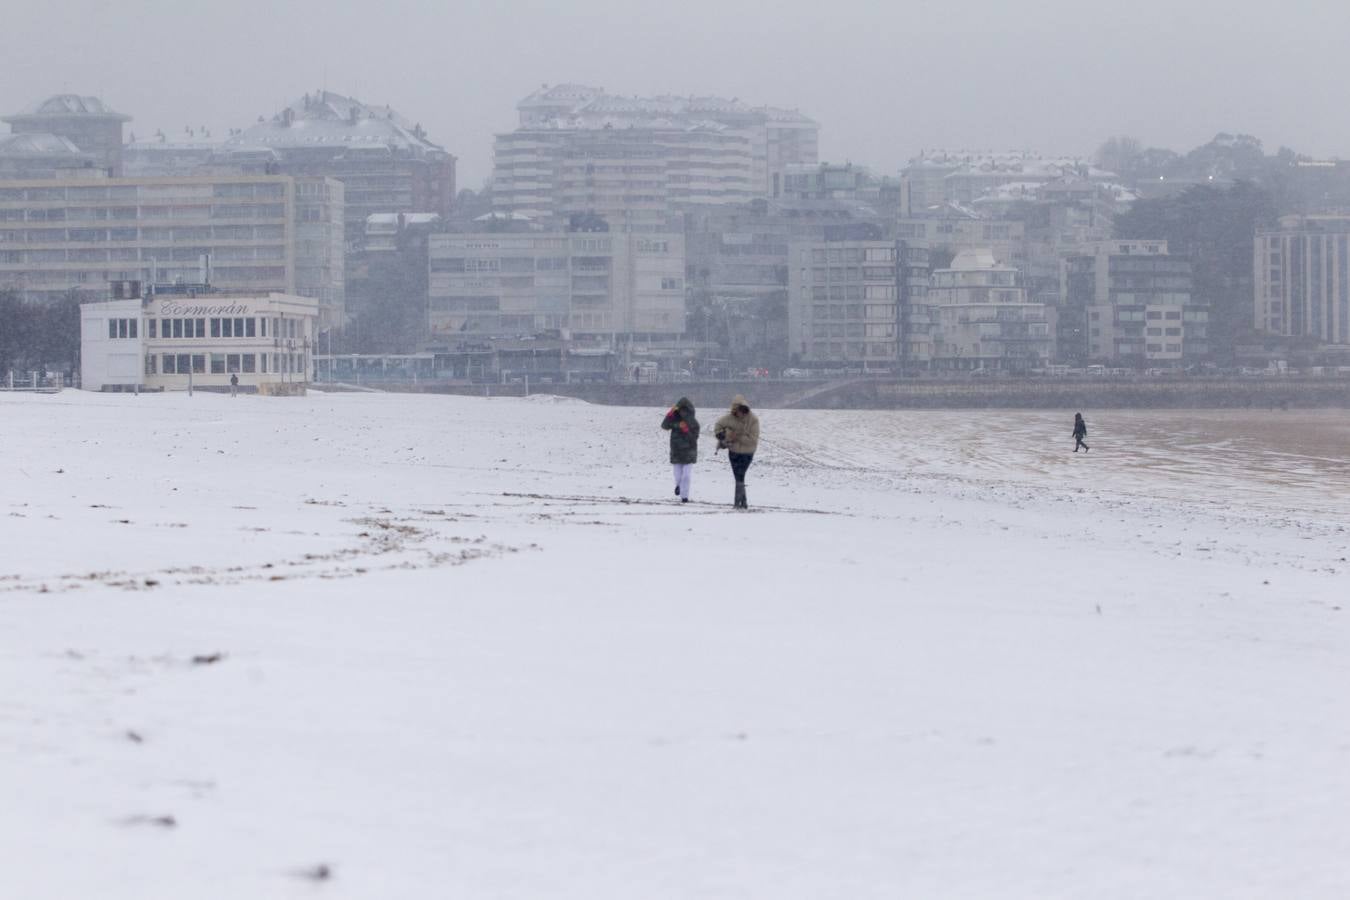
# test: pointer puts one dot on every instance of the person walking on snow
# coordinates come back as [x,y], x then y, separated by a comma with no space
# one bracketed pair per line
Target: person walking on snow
[738,431]
[1079,432]
[683,428]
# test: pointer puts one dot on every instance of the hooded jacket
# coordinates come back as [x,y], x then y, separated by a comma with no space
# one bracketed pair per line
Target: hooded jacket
[739,435]
[683,428]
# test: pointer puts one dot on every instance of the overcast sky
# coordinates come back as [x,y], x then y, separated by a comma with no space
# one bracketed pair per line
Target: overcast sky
[883,79]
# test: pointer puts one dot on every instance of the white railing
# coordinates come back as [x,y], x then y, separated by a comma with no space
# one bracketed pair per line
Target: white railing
[35,382]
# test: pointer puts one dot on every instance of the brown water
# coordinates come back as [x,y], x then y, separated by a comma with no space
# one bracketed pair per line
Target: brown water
[1293,461]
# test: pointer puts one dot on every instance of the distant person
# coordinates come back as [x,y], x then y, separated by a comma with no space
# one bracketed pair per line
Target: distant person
[738,432]
[683,428]
[1079,432]
[234,384]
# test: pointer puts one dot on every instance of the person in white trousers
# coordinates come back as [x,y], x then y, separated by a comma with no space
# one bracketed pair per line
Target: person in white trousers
[682,424]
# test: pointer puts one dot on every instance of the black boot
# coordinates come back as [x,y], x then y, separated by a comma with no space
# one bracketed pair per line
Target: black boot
[740,496]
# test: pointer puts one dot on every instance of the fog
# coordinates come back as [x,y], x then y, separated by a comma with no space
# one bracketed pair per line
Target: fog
[883,81]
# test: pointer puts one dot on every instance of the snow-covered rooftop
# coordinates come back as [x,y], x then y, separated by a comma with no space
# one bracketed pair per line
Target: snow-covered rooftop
[63,105]
[326,119]
[578,107]
[35,144]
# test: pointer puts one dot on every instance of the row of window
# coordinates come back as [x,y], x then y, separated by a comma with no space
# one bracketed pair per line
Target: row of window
[884,330]
[223,363]
[235,327]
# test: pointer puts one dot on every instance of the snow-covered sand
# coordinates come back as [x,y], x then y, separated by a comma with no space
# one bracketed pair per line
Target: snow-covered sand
[474,648]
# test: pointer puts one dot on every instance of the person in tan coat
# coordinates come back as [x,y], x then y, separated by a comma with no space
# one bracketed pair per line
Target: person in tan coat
[738,432]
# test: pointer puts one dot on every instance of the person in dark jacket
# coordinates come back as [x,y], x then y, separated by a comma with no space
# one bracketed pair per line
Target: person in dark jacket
[1079,432]
[683,427]
[738,431]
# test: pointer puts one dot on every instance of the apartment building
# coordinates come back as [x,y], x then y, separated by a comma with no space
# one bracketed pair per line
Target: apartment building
[982,318]
[385,162]
[952,230]
[1130,302]
[963,177]
[86,122]
[843,303]
[602,286]
[242,233]
[635,160]
[1302,278]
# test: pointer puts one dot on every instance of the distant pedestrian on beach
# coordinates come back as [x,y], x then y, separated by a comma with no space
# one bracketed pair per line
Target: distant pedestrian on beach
[1079,432]
[234,385]
[683,427]
[738,431]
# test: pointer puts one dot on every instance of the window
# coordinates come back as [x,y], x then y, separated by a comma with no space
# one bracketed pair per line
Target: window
[178,328]
[131,328]
[150,364]
[262,330]
[250,327]
[150,324]
[670,284]
[227,327]
[248,363]
[217,363]
[232,362]
[262,361]
[199,363]
[167,363]
[184,364]
[112,329]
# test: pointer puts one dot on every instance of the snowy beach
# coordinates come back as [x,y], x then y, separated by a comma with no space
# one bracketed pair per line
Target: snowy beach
[361,646]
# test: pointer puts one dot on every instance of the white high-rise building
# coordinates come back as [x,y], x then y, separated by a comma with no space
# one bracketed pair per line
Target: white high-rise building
[1302,278]
[242,233]
[634,161]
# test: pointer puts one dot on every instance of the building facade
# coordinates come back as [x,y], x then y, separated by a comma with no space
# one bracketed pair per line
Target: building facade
[1302,278]
[166,341]
[1130,302]
[982,318]
[843,304]
[240,233]
[603,286]
[86,122]
[386,163]
[635,160]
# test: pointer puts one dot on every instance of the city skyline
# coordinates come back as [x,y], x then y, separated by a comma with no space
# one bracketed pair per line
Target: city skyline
[1047,79]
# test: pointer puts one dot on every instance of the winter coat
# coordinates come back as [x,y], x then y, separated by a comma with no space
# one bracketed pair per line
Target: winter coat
[683,428]
[1079,428]
[739,435]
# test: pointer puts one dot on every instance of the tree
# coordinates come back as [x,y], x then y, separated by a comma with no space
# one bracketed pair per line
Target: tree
[1120,154]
